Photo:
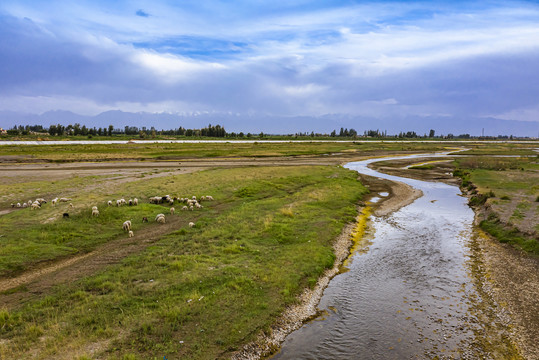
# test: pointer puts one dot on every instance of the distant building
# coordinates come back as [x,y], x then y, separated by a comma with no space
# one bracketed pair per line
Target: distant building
[3,132]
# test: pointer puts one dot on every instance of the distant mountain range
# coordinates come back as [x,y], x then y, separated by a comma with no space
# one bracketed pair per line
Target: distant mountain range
[278,124]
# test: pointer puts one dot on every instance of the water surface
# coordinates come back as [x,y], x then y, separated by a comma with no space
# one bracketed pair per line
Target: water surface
[410,295]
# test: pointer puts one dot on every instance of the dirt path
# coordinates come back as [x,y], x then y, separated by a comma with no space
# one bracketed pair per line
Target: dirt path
[37,282]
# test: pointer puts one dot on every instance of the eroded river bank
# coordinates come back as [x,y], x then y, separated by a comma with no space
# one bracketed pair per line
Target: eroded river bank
[417,289]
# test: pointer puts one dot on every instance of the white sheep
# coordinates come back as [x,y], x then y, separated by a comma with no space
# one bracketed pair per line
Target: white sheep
[158,216]
[191,224]
[172,211]
[126,225]
[109,203]
[118,202]
[160,219]
[30,202]
[24,205]
[209,197]
[95,212]
[34,206]
[191,208]
[94,208]
[135,201]
[18,205]
[54,201]
[185,208]
[202,198]
[123,201]
[198,206]
[194,197]
[131,234]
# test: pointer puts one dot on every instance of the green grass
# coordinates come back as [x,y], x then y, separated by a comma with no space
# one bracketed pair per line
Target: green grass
[422,167]
[173,152]
[510,178]
[507,234]
[197,293]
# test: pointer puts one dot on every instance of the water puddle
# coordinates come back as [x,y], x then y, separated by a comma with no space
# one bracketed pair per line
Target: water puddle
[409,293]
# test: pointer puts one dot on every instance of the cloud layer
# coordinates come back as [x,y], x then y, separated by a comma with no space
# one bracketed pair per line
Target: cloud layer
[307,58]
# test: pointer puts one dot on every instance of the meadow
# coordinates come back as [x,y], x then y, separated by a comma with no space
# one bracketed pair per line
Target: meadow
[194,293]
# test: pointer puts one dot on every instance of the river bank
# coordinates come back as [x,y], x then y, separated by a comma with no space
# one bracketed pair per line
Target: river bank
[398,196]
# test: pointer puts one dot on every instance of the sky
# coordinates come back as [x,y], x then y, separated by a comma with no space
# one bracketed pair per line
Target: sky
[379,59]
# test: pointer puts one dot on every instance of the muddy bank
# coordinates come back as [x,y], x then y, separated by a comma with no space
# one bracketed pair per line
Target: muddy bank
[399,195]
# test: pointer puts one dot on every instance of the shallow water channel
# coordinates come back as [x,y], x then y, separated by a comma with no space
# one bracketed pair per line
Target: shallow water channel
[409,292]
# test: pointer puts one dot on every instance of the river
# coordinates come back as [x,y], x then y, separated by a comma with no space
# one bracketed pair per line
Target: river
[410,293]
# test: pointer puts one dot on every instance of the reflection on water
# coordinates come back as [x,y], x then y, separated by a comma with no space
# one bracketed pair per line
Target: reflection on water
[409,295]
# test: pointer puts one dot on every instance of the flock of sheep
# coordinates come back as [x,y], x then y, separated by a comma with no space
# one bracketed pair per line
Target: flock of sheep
[190,204]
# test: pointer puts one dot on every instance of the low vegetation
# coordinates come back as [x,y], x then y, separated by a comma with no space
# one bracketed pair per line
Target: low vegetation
[503,191]
[194,293]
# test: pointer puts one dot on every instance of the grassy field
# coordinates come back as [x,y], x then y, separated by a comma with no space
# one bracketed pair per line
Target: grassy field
[153,151]
[507,191]
[195,293]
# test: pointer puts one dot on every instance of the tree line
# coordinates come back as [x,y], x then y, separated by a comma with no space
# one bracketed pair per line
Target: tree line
[219,131]
[78,130]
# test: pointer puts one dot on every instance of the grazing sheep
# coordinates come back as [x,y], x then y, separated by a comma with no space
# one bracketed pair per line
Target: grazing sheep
[158,216]
[34,206]
[171,202]
[109,203]
[18,205]
[185,208]
[118,202]
[135,201]
[191,224]
[144,219]
[171,211]
[191,208]
[209,197]
[12,205]
[54,201]
[126,225]
[95,212]
[66,215]
[198,206]
[161,219]
[64,200]
[30,202]
[94,208]
[41,201]
[131,234]
[202,198]
[194,197]
[130,202]
[24,205]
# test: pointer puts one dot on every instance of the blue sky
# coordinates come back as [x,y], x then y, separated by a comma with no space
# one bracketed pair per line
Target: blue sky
[380,59]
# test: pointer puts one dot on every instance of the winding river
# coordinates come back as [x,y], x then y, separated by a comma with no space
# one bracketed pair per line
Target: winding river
[410,293]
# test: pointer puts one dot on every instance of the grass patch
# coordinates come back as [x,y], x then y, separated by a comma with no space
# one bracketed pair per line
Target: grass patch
[198,293]
[422,167]
[508,234]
